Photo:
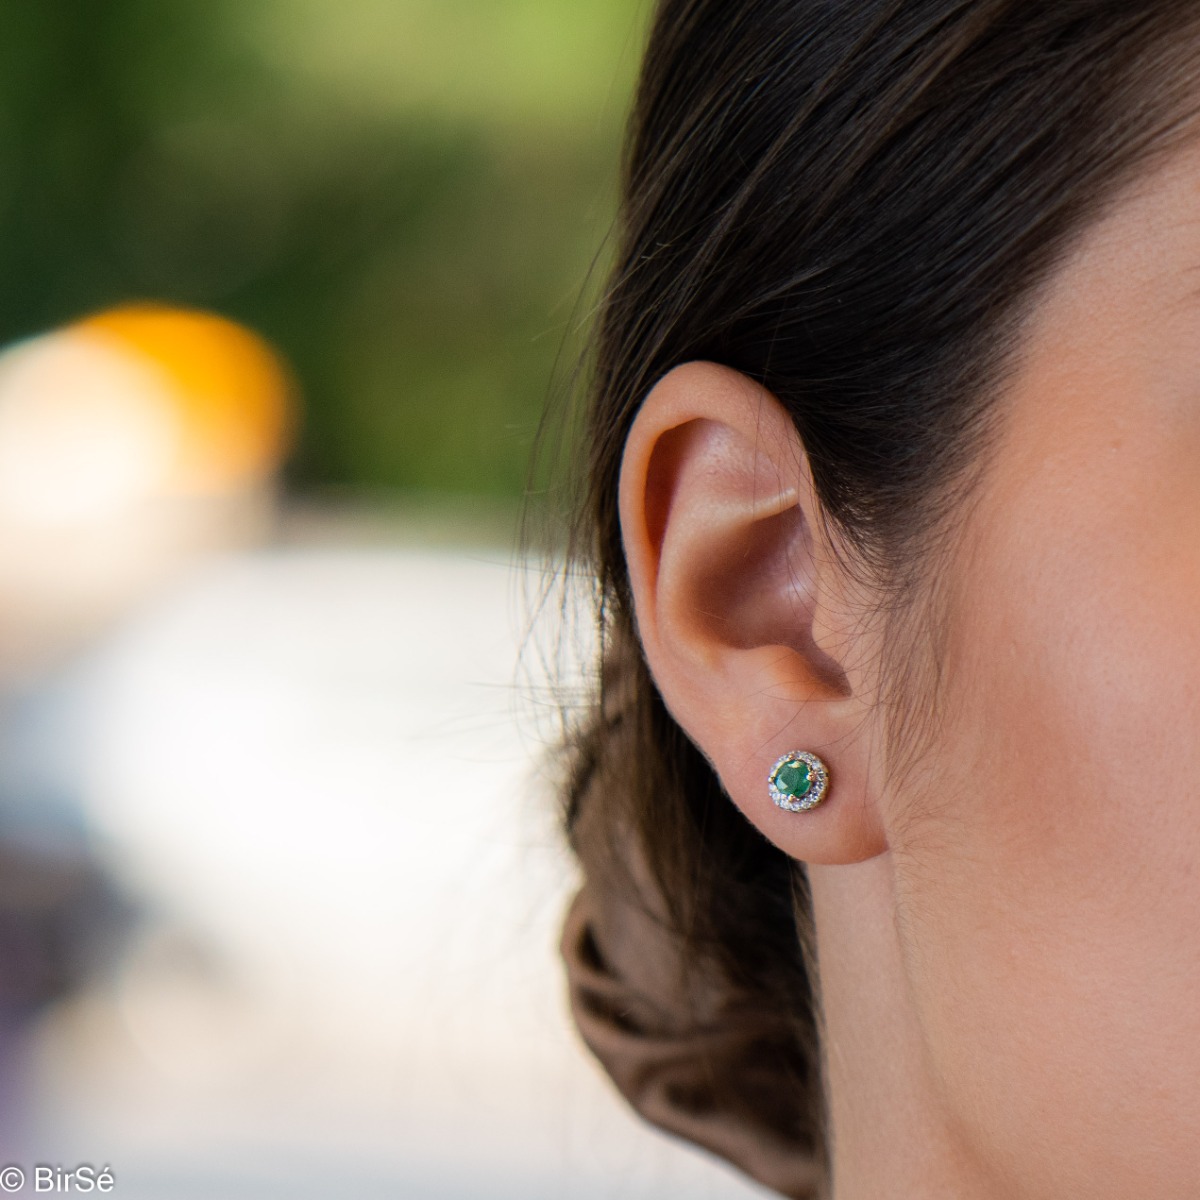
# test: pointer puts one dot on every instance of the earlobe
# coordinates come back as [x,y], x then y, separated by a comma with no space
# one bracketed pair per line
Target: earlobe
[742,606]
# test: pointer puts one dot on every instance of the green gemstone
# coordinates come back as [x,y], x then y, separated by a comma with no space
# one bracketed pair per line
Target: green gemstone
[794,778]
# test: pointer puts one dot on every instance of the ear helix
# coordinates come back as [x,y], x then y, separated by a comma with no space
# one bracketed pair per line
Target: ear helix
[798,781]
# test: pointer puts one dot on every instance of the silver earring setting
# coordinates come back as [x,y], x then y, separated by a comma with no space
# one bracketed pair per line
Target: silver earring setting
[798,781]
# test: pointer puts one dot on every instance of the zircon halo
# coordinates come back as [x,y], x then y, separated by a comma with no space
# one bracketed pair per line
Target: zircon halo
[798,781]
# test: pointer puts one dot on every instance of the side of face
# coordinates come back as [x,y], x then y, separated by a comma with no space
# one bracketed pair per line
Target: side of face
[1041,869]
[1048,865]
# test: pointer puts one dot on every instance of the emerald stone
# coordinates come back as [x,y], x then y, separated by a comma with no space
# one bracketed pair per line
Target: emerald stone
[794,778]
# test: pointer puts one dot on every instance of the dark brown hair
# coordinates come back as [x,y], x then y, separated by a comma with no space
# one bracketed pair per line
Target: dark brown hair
[853,202]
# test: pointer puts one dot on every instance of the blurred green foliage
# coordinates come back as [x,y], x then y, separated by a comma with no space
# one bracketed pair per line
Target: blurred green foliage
[403,195]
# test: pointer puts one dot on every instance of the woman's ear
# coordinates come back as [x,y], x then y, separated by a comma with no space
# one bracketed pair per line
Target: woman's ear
[745,612]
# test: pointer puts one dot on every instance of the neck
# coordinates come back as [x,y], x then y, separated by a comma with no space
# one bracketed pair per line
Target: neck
[890,1133]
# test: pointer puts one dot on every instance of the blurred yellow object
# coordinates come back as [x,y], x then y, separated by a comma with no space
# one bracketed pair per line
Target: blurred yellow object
[133,444]
[229,391]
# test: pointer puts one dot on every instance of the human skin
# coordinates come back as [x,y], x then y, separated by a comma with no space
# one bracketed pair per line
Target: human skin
[1008,933]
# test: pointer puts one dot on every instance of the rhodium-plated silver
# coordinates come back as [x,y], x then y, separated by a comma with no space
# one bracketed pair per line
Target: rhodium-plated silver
[818,775]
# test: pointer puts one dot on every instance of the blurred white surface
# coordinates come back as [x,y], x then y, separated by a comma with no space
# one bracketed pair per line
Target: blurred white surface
[318,769]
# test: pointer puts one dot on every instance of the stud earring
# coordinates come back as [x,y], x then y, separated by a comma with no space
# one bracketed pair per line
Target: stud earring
[798,781]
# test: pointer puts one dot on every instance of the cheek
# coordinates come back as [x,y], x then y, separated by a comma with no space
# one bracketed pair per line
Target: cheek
[1048,886]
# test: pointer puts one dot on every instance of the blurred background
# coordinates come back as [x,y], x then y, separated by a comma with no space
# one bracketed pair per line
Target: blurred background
[285,286]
